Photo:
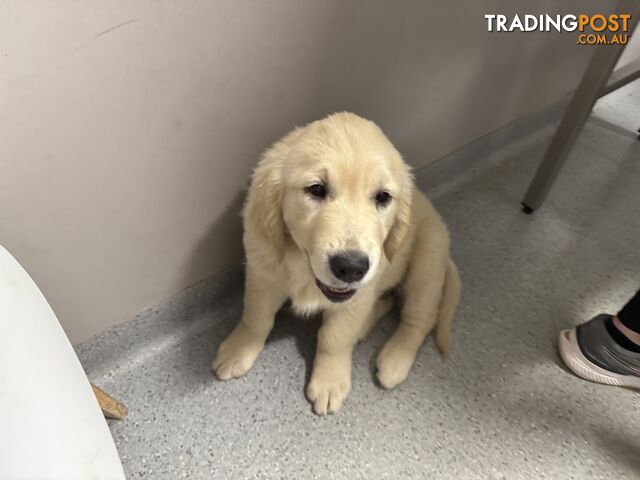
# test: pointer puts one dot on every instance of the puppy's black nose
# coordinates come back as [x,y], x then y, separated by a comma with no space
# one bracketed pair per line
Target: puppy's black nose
[349,266]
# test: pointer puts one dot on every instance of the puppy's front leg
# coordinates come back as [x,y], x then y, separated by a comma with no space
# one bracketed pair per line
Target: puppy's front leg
[237,353]
[331,378]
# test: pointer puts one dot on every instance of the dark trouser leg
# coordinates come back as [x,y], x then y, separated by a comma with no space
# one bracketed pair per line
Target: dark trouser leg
[629,316]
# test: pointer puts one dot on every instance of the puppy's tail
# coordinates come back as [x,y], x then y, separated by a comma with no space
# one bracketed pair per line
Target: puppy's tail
[448,305]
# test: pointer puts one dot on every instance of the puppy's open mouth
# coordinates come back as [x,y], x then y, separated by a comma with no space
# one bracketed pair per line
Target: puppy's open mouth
[336,295]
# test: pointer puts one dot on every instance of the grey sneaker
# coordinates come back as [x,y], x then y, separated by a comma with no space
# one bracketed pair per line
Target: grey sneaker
[589,351]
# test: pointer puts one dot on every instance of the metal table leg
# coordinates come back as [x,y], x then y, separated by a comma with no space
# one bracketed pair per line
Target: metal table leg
[592,86]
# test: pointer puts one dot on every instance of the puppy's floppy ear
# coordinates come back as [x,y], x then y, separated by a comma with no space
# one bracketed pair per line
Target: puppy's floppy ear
[402,222]
[263,210]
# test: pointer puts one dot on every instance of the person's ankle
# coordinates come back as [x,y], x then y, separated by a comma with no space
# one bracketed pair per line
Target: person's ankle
[632,336]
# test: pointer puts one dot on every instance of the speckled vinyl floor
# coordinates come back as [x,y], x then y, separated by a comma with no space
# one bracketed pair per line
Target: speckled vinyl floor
[501,407]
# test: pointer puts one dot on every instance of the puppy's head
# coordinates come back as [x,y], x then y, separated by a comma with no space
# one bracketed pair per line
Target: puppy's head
[339,191]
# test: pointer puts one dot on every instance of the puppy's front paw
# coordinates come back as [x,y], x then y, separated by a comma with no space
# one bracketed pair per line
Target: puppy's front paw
[236,355]
[327,392]
[394,363]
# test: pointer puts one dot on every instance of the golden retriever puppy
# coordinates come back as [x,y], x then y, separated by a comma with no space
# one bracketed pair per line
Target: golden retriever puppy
[333,221]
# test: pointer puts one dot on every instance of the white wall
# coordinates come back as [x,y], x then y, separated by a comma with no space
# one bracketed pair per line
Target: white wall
[128,129]
[632,50]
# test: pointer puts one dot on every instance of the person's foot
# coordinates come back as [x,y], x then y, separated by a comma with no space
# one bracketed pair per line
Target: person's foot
[591,352]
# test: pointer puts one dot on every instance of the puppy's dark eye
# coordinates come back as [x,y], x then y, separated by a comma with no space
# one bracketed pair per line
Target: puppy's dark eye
[317,190]
[383,198]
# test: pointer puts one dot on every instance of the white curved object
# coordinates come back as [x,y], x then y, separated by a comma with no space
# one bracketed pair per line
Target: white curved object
[51,426]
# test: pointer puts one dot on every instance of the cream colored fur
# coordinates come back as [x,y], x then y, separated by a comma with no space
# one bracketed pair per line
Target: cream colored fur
[289,235]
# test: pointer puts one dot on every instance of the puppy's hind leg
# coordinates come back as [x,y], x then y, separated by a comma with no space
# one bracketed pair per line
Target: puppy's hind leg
[448,306]
[423,289]
[238,352]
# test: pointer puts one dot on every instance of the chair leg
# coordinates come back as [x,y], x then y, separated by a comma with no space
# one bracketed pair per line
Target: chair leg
[111,408]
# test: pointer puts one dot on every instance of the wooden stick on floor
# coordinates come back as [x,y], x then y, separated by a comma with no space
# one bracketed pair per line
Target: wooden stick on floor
[111,408]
